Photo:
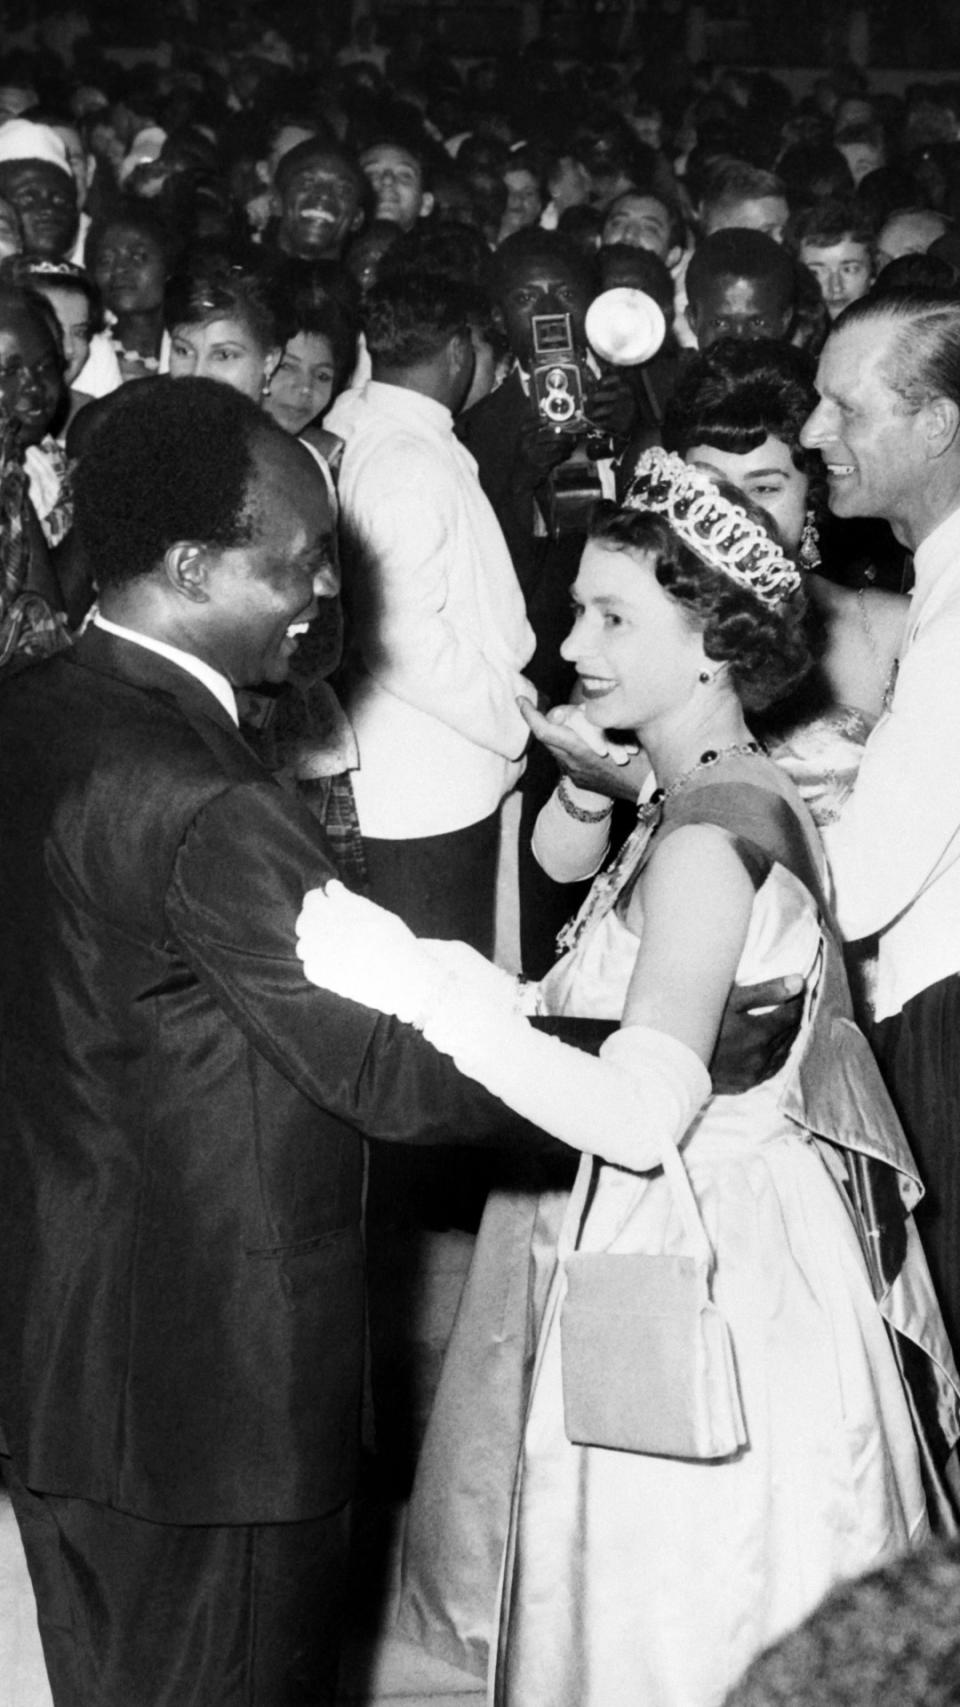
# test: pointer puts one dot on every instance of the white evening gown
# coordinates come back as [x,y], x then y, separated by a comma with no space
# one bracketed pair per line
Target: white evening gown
[635,1581]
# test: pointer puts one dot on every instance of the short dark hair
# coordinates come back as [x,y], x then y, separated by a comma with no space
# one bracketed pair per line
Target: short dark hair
[23,299]
[326,320]
[647,272]
[924,358]
[735,395]
[742,254]
[135,215]
[316,148]
[831,222]
[918,272]
[765,647]
[36,274]
[532,245]
[169,460]
[212,285]
[412,313]
[813,171]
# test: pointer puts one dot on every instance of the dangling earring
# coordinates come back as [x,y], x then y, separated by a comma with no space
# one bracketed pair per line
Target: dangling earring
[265,389]
[809,553]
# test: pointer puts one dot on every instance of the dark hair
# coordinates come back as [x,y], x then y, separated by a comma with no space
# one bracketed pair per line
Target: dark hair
[734,395]
[135,215]
[923,361]
[832,222]
[741,254]
[532,245]
[169,460]
[765,647]
[889,1636]
[412,313]
[316,148]
[213,286]
[918,272]
[645,269]
[23,299]
[36,274]
[812,172]
[326,320]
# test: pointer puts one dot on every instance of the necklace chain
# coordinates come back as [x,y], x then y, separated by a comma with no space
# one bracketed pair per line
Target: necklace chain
[712,756]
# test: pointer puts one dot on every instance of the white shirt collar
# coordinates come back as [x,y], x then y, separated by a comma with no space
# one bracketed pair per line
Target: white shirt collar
[934,556]
[400,400]
[210,678]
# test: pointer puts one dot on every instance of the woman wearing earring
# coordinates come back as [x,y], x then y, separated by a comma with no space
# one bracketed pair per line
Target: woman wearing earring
[223,324]
[737,413]
[645,1561]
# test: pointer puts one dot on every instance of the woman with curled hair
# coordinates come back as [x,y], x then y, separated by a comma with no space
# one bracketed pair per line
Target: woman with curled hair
[737,413]
[645,1556]
[223,321]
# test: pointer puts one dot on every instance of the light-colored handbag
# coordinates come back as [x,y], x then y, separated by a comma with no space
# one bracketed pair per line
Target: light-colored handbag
[647,1359]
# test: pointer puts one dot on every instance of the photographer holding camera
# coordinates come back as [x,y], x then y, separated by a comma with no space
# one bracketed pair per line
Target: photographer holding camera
[546,443]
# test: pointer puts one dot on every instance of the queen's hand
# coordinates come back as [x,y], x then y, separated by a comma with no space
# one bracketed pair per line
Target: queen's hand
[352,947]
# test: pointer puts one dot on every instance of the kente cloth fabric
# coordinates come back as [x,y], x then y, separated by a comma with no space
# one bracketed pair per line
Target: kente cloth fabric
[29,626]
[628,1578]
[51,491]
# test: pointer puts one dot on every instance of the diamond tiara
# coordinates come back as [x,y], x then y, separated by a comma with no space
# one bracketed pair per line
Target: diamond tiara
[721,533]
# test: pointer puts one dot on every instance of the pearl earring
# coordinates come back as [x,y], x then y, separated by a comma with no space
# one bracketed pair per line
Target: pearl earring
[706,676]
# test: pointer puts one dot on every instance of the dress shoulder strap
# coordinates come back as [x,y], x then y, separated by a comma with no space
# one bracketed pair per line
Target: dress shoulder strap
[763,826]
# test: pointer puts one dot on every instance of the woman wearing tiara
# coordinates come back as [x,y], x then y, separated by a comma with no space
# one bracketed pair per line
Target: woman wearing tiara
[649,1555]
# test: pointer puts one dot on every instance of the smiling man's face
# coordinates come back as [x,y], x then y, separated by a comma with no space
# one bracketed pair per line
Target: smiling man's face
[321,204]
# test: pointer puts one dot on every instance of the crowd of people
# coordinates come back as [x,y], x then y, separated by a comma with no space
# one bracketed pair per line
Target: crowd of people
[478,676]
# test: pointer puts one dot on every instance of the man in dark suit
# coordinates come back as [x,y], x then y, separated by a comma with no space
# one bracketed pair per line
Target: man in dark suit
[180,1151]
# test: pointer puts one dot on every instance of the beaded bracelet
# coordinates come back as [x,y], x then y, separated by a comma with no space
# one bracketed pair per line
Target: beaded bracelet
[582,815]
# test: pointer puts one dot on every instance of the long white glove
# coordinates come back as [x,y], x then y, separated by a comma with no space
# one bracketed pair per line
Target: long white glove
[641,1092]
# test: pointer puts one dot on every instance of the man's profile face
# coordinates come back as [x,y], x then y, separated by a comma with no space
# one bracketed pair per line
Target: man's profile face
[730,307]
[643,222]
[545,286]
[264,593]
[874,450]
[320,206]
[46,200]
[397,182]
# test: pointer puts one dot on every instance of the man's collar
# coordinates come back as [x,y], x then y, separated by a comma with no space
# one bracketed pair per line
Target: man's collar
[155,664]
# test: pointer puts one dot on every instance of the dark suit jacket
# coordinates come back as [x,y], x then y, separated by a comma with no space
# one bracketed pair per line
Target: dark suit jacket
[180,1152]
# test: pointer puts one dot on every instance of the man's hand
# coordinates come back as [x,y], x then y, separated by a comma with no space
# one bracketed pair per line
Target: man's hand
[760,1023]
[610,406]
[539,450]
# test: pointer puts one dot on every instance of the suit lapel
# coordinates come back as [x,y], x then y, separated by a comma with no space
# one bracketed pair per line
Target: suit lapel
[110,655]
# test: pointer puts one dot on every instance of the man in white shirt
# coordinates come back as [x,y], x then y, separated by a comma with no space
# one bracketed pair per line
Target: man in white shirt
[888,428]
[443,637]
[441,627]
